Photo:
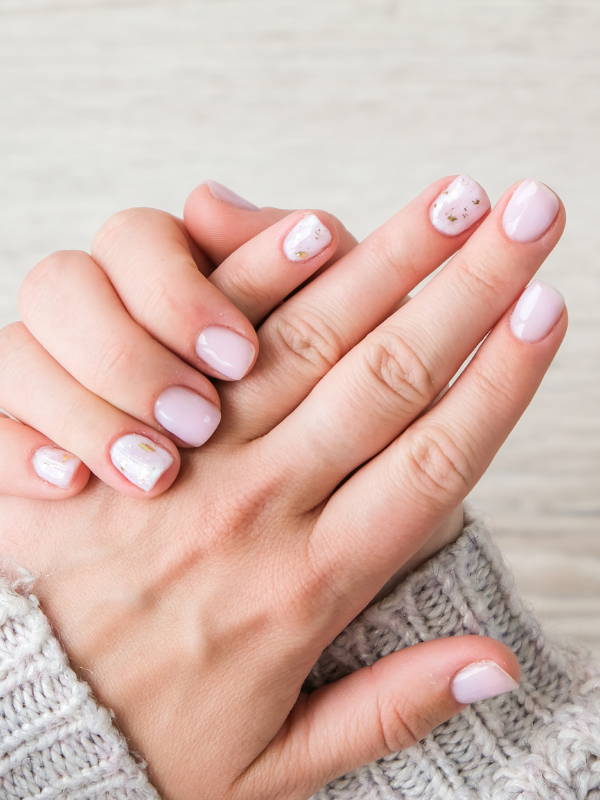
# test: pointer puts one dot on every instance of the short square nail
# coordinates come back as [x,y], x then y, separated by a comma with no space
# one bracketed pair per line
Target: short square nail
[461,204]
[140,460]
[480,681]
[537,311]
[308,238]
[220,192]
[226,351]
[530,211]
[187,415]
[55,466]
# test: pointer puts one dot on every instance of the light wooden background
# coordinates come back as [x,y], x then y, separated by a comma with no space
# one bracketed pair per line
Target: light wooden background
[353,106]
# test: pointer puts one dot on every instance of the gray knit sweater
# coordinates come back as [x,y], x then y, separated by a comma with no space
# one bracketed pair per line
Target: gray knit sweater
[540,742]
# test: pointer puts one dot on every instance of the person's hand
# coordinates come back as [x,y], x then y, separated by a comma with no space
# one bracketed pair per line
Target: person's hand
[107,365]
[198,615]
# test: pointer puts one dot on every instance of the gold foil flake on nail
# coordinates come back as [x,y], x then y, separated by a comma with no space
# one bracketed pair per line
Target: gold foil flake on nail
[66,457]
[452,218]
[475,202]
[301,253]
[147,447]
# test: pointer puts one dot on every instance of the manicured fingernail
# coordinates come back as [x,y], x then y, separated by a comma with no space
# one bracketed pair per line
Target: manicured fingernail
[537,312]
[220,192]
[461,204]
[306,239]
[55,466]
[187,415]
[481,680]
[140,459]
[226,351]
[530,211]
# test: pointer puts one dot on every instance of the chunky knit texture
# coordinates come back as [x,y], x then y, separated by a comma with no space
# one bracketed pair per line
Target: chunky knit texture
[55,741]
[541,742]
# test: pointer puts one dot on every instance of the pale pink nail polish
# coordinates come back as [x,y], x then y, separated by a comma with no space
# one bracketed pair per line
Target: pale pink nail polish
[187,415]
[220,192]
[226,351]
[537,312]
[530,211]
[481,680]
[461,204]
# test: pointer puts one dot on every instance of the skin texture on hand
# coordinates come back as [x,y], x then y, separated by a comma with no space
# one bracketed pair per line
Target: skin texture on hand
[197,616]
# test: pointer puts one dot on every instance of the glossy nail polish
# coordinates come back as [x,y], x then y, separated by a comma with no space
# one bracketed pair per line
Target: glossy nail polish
[462,203]
[226,351]
[55,466]
[220,192]
[308,238]
[187,415]
[140,460]
[530,211]
[536,312]
[481,680]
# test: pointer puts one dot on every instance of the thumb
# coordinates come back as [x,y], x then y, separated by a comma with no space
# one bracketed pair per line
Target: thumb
[386,707]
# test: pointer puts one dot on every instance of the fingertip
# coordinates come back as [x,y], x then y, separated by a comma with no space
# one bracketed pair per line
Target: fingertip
[486,669]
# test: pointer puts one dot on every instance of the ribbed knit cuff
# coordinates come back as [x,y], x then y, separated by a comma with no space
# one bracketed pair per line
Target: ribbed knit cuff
[540,742]
[55,741]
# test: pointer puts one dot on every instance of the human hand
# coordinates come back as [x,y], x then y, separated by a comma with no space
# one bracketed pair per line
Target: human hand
[293,516]
[116,373]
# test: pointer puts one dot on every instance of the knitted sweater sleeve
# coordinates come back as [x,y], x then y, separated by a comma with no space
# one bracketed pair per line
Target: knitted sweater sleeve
[56,742]
[541,742]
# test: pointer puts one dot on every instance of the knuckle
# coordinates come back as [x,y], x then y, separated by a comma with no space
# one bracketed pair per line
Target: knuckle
[307,337]
[111,232]
[115,360]
[481,279]
[247,290]
[400,374]
[493,389]
[43,281]
[439,468]
[402,723]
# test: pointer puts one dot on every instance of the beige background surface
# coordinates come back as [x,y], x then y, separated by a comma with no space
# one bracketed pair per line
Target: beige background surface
[347,105]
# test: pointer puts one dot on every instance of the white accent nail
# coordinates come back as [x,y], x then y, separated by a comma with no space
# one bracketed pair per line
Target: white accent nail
[55,466]
[461,204]
[140,459]
[306,239]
